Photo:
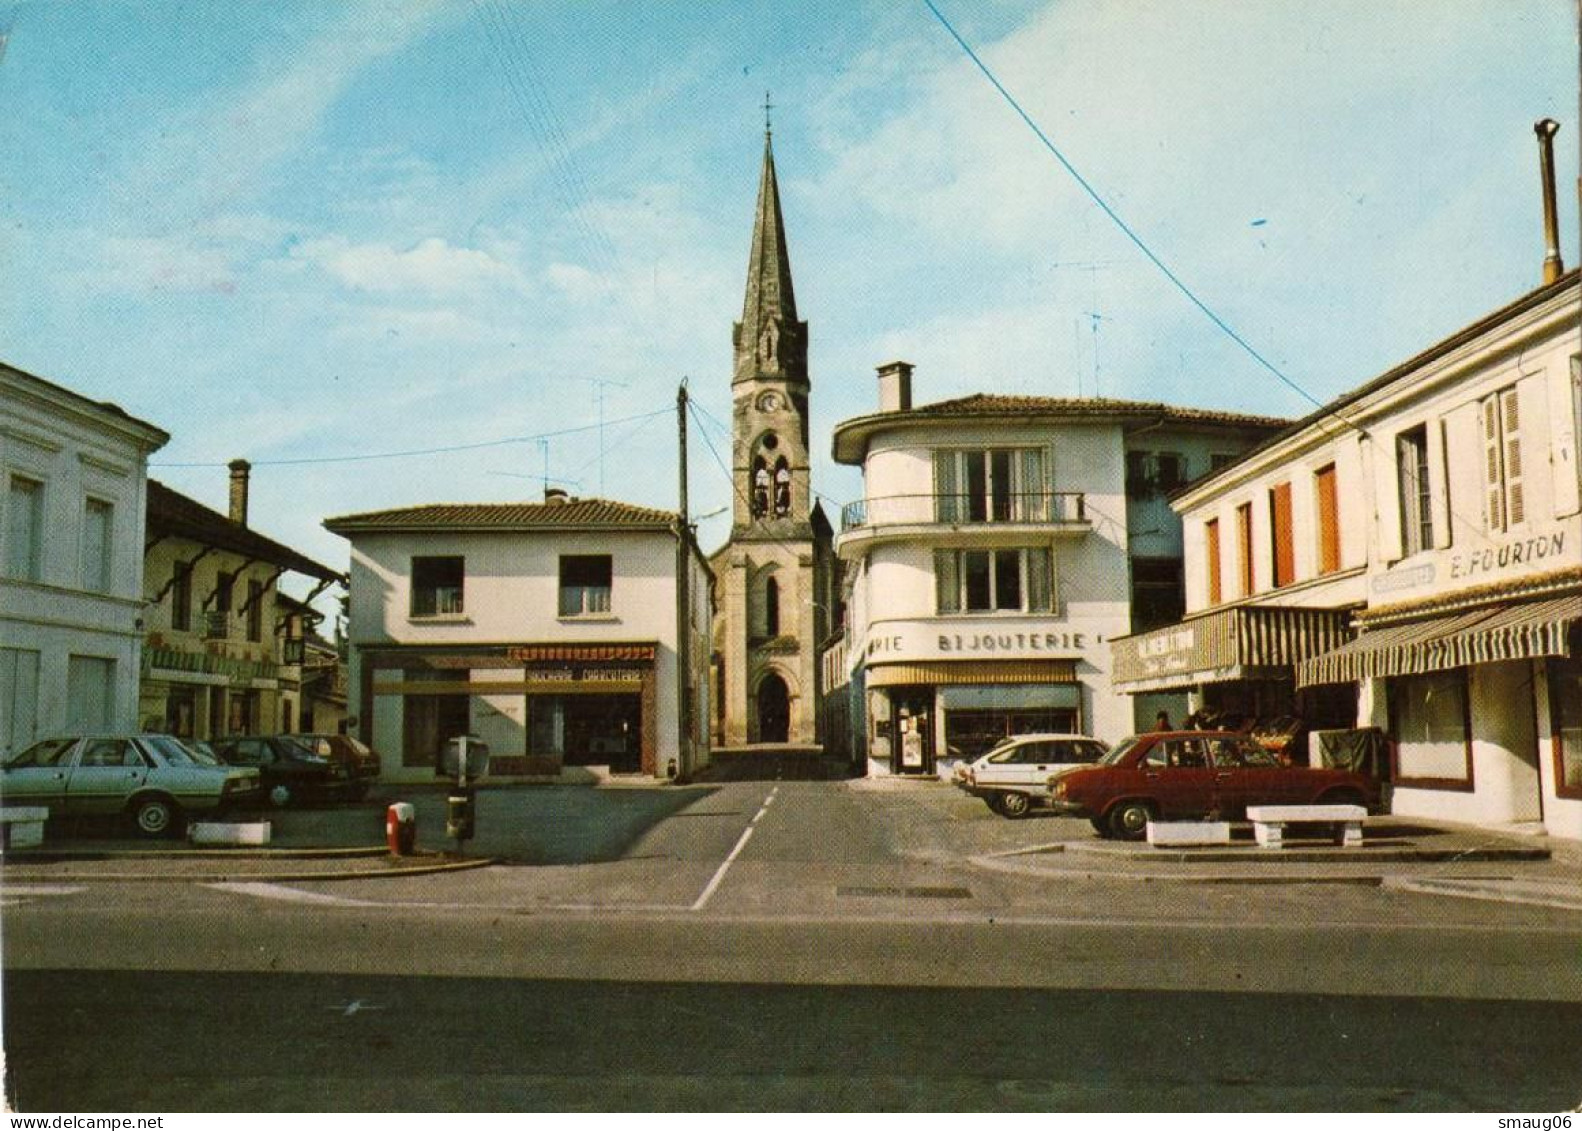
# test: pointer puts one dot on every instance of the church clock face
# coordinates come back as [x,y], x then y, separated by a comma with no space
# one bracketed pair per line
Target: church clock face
[771,402]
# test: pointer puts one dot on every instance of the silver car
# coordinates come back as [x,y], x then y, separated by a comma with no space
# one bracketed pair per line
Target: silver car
[152,778]
[1014,777]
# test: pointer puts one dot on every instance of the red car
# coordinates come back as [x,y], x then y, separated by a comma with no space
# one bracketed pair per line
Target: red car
[1195,774]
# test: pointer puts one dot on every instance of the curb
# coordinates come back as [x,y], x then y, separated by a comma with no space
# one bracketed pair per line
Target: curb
[220,876]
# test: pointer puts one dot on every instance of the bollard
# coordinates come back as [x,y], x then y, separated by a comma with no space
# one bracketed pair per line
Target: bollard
[401,828]
[460,815]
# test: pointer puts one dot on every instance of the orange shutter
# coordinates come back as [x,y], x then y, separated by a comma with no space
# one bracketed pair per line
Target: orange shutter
[1284,548]
[1211,555]
[1244,548]
[1328,519]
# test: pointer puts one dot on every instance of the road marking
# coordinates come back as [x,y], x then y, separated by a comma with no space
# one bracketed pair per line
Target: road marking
[15,895]
[747,833]
[352,1008]
[290,895]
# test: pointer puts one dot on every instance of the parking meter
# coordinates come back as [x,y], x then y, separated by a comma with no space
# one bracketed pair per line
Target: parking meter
[467,758]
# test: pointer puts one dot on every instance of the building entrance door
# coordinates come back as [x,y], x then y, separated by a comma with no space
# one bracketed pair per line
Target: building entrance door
[774,710]
[913,744]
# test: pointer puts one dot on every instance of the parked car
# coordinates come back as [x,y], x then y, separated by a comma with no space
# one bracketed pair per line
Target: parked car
[1195,774]
[152,778]
[361,762]
[291,772]
[1013,778]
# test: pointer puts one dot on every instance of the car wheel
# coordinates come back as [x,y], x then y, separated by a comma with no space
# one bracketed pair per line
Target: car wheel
[155,816]
[1129,820]
[280,795]
[1014,805]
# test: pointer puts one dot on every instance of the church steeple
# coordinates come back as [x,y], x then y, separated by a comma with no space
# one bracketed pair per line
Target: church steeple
[770,341]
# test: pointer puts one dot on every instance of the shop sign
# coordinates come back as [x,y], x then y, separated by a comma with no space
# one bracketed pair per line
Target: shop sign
[925,641]
[580,675]
[1167,652]
[1490,561]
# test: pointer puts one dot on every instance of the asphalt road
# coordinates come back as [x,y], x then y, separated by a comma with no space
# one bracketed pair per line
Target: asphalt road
[784,946]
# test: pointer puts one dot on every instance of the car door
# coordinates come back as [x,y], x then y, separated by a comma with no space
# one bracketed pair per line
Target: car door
[38,775]
[107,772]
[1246,774]
[1177,776]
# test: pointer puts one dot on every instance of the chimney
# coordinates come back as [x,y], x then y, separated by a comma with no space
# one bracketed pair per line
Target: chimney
[240,469]
[1545,129]
[895,386]
[556,496]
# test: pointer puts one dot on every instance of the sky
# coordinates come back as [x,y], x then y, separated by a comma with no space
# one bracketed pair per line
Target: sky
[315,235]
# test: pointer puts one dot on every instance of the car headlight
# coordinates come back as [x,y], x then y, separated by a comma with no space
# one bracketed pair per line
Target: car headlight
[1058,788]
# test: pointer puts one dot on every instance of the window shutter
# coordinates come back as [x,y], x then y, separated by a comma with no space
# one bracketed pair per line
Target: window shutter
[946,507]
[1033,505]
[1328,519]
[947,584]
[1211,558]
[1040,595]
[1284,549]
[1493,491]
[1515,507]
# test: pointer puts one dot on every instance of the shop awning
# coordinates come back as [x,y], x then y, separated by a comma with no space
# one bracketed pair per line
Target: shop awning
[936,672]
[1244,642]
[1487,635]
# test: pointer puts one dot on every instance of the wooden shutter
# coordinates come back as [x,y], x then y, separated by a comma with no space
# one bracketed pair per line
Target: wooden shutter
[1493,489]
[1040,590]
[946,508]
[947,585]
[1510,434]
[1284,548]
[1328,519]
[1211,558]
[1244,548]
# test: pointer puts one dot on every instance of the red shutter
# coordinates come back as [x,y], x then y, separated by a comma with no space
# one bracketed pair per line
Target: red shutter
[1284,548]
[1328,519]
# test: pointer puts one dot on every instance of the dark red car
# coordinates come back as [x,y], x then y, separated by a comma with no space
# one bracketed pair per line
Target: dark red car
[1196,774]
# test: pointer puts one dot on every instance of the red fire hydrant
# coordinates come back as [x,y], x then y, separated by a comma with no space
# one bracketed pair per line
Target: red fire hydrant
[401,828]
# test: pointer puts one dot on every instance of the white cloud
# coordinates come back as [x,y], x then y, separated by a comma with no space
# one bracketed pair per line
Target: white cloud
[432,265]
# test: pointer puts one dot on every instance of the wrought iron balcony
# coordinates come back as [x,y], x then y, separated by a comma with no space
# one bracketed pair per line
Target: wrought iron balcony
[1033,507]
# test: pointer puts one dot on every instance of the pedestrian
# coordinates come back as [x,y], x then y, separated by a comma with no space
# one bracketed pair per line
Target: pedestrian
[1162,721]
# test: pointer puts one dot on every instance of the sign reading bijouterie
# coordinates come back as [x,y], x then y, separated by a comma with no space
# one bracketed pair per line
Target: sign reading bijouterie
[923,641]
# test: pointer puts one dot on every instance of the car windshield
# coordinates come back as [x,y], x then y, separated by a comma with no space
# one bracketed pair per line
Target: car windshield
[201,751]
[1122,748]
[45,753]
[170,750]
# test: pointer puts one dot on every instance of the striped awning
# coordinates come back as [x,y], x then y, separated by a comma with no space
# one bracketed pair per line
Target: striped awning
[947,672]
[1242,642]
[1491,634]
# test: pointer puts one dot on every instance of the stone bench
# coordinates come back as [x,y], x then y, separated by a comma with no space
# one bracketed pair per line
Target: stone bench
[22,826]
[1269,821]
[218,833]
[1187,834]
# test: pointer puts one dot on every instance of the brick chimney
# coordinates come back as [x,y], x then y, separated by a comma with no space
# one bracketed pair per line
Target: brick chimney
[240,469]
[1553,266]
[895,386]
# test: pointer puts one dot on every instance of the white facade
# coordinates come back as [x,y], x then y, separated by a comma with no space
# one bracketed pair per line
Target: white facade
[72,473]
[989,564]
[554,691]
[1459,522]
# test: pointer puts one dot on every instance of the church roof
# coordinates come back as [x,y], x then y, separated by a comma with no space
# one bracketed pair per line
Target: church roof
[851,436]
[769,291]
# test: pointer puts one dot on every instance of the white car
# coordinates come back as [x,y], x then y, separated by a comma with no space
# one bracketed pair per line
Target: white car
[1014,777]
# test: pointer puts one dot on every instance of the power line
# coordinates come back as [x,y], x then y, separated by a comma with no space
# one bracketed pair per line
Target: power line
[1126,229]
[424,451]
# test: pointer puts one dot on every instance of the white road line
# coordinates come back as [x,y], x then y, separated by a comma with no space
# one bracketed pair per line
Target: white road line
[747,833]
[18,895]
[290,895]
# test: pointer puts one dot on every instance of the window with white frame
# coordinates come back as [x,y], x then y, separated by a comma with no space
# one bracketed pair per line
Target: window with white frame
[24,529]
[1417,507]
[981,581]
[990,485]
[1504,503]
[585,583]
[97,528]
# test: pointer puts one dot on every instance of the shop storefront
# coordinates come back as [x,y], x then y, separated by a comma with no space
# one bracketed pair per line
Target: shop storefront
[1237,667]
[540,707]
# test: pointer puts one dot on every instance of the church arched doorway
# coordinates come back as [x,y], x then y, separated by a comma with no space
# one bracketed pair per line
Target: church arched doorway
[774,710]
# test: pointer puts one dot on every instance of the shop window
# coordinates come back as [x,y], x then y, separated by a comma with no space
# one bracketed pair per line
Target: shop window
[1417,511]
[1431,729]
[1157,597]
[1211,561]
[585,581]
[437,586]
[97,524]
[1504,500]
[1327,503]
[24,529]
[1283,556]
[991,485]
[993,581]
[1565,711]
[1244,549]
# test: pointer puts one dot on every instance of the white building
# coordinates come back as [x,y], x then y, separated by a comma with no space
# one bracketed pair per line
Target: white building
[1413,553]
[549,630]
[71,560]
[1000,545]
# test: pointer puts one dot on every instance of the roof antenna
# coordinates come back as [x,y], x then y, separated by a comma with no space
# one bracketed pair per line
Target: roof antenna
[768,125]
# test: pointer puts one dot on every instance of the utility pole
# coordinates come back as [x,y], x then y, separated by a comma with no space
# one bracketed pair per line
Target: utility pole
[683,599]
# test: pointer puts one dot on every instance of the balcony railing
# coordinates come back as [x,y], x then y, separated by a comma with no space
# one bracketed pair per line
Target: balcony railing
[965,510]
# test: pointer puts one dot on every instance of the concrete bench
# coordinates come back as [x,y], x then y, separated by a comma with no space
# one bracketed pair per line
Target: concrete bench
[22,826]
[1269,821]
[217,832]
[1187,834]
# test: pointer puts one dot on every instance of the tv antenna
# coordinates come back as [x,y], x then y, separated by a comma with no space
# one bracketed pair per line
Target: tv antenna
[601,383]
